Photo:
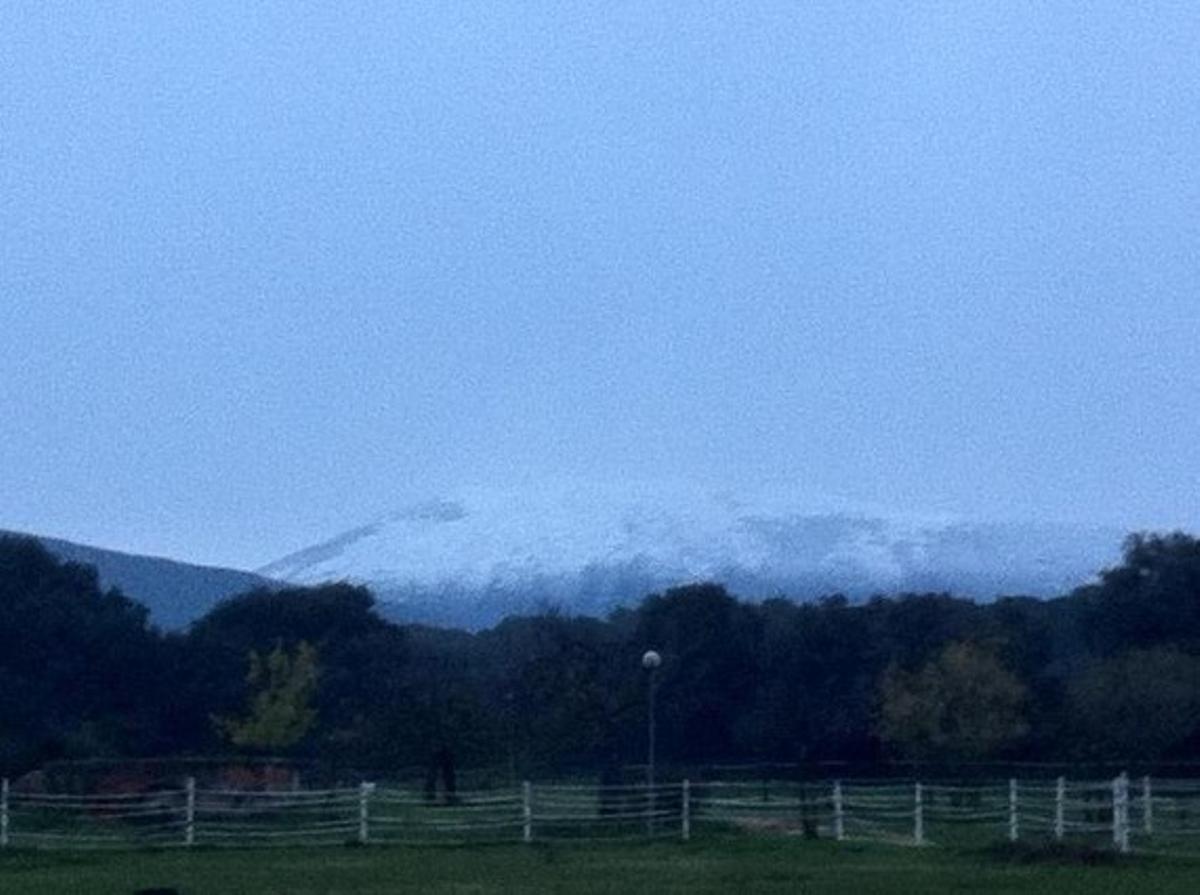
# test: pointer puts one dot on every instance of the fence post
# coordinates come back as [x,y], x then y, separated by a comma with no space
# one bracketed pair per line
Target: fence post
[686,810]
[839,816]
[189,812]
[1060,804]
[527,810]
[364,811]
[4,813]
[1120,812]
[1116,812]
[1147,807]
[1014,817]
[918,815]
[1124,811]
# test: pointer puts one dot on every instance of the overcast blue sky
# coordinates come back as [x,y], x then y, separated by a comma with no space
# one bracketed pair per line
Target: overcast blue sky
[268,268]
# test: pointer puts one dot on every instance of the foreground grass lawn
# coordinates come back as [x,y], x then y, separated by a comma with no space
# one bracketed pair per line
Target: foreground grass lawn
[736,865]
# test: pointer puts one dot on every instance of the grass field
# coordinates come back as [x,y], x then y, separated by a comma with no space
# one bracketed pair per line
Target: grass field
[740,865]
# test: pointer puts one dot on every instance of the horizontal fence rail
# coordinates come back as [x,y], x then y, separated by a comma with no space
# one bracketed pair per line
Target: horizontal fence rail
[1123,814]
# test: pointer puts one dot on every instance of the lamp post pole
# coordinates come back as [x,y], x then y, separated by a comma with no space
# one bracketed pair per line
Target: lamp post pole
[650,661]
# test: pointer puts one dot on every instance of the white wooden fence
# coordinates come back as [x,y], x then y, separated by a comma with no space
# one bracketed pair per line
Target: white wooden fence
[1122,813]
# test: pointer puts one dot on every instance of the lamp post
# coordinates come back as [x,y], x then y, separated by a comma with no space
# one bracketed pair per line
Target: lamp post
[650,661]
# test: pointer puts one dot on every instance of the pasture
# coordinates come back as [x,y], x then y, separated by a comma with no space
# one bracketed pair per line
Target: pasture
[738,864]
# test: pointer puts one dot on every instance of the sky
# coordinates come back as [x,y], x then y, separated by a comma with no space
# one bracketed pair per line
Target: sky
[269,269]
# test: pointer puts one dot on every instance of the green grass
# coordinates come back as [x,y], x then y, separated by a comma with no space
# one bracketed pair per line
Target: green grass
[741,865]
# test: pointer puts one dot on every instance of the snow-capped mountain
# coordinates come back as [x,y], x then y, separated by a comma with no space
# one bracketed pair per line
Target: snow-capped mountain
[477,554]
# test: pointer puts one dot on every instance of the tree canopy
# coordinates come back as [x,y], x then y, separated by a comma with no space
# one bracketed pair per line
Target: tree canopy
[1111,671]
[961,704]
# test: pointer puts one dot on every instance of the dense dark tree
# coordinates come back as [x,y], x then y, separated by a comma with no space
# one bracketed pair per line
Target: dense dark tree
[1143,704]
[361,659]
[819,672]
[913,628]
[1109,671]
[561,694]
[710,648]
[80,667]
[1151,599]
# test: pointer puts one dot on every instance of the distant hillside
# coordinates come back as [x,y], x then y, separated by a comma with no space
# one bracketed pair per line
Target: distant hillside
[176,593]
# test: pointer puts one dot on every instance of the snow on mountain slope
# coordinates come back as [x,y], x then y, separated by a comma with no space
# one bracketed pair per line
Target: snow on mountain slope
[484,551]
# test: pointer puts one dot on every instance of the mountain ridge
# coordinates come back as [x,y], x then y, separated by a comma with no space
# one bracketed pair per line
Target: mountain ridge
[476,554]
[176,593]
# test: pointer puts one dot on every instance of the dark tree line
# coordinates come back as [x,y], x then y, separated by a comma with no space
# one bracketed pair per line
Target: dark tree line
[1110,671]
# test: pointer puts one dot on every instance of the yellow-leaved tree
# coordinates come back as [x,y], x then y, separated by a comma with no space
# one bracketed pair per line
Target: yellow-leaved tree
[963,704]
[280,711]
